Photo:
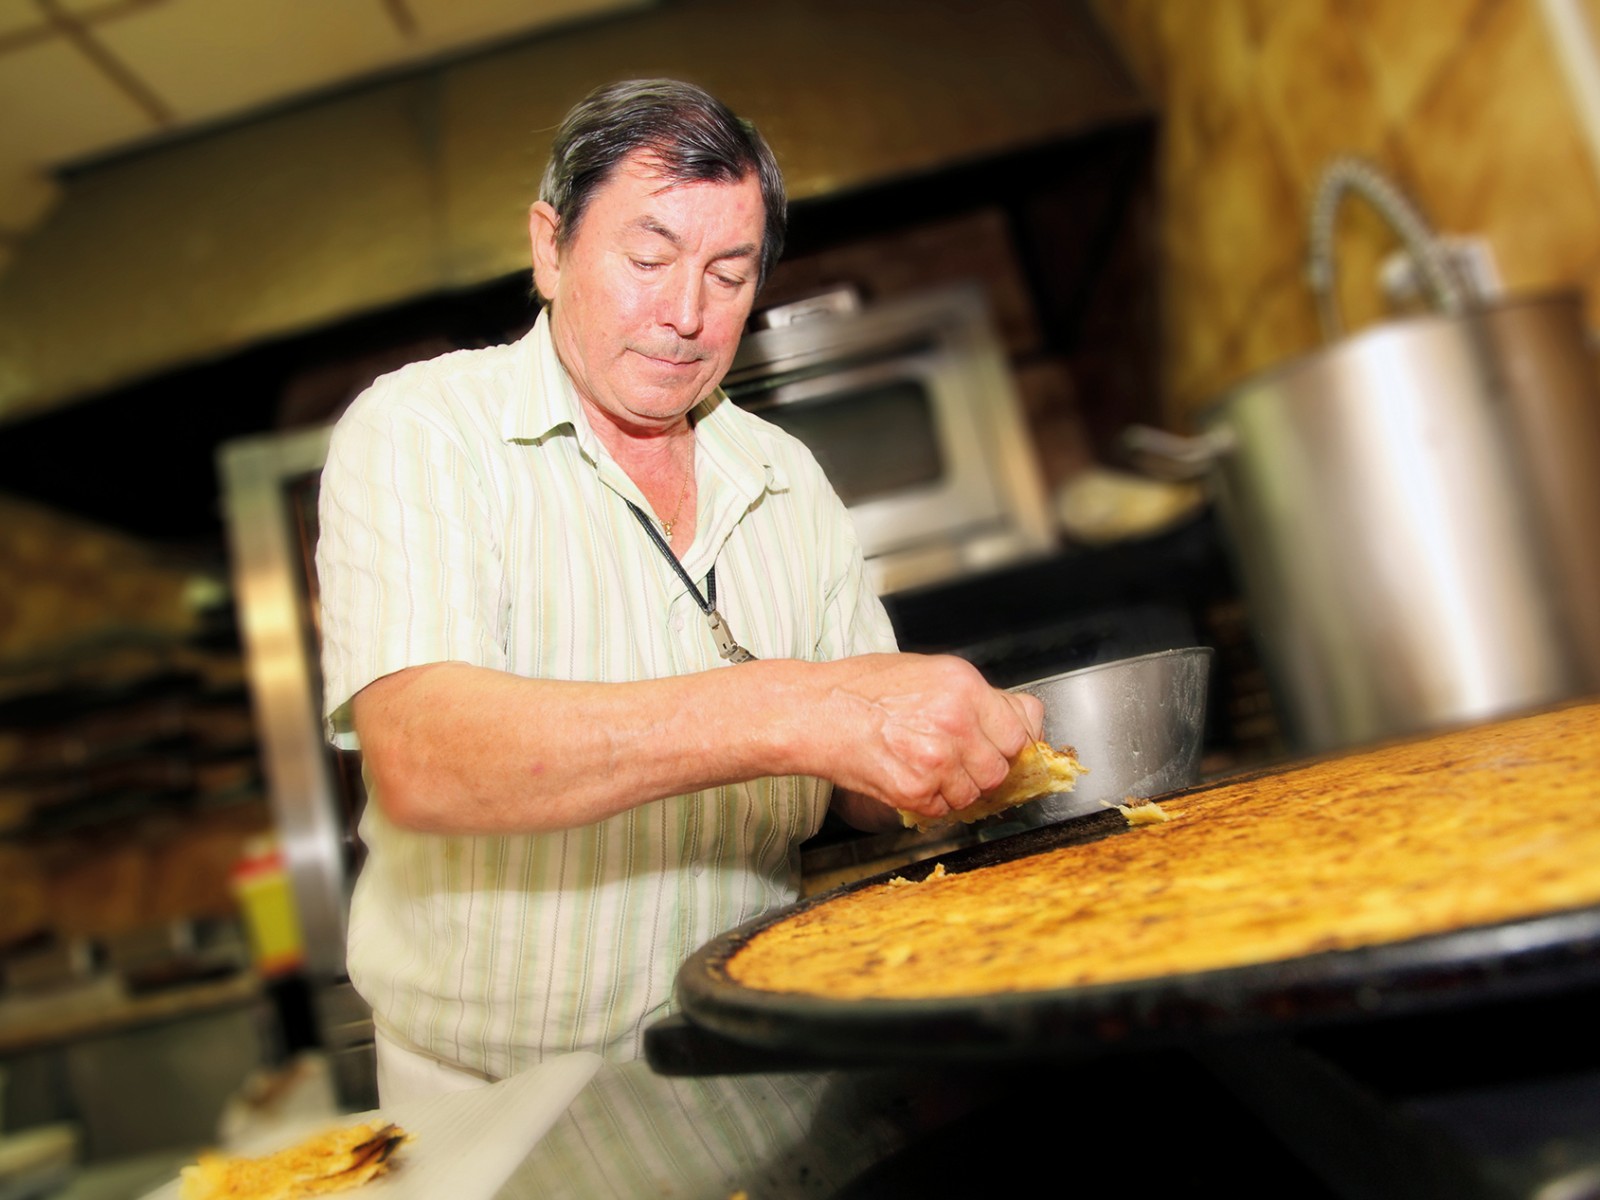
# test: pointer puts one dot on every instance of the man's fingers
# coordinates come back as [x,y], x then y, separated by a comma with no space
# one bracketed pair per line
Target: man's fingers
[1031,709]
[939,734]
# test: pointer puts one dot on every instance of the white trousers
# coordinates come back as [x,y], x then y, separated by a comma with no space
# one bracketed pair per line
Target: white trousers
[406,1073]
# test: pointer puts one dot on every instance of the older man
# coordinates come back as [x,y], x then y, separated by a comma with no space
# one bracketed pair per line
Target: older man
[604,639]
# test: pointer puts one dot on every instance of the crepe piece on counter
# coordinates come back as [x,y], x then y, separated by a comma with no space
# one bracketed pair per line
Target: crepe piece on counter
[463,1146]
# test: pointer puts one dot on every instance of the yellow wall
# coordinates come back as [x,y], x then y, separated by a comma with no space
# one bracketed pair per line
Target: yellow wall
[1463,103]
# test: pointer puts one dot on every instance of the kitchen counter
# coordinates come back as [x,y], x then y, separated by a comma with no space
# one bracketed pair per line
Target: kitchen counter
[1443,1109]
[104,1006]
[136,1072]
[885,1134]
[1157,1123]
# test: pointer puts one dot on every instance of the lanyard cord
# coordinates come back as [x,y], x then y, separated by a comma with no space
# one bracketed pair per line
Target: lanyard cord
[707,605]
[726,646]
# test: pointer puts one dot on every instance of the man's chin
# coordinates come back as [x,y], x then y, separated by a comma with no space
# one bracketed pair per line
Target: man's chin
[651,408]
[666,399]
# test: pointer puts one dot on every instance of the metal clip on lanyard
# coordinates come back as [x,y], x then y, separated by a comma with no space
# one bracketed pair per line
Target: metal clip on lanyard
[726,646]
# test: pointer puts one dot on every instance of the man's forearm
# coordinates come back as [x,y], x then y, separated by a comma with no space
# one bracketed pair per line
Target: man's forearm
[454,748]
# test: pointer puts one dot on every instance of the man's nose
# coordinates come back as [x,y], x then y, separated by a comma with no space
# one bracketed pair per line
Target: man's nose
[682,303]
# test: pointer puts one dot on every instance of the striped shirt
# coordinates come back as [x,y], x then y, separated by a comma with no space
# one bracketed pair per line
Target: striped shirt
[469,513]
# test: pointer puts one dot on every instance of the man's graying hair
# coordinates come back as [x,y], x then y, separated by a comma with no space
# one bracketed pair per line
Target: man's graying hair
[693,135]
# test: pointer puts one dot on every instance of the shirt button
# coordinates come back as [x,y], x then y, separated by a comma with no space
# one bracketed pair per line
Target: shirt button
[677,624]
[697,869]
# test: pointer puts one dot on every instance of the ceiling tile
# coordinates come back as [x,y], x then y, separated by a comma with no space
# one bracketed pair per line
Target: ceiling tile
[216,58]
[70,106]
[208,59]
[169,64]
[25,196]
[64,107]
[18,16]
[452,24]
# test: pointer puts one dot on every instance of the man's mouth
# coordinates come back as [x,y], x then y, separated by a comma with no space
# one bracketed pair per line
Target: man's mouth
[671,360]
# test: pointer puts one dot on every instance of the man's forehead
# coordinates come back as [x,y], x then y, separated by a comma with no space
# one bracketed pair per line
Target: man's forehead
[634,187]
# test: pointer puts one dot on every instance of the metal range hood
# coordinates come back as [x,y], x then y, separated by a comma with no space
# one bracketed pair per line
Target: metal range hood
[419,185]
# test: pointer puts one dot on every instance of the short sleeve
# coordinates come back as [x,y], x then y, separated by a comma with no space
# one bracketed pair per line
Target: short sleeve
[408,562]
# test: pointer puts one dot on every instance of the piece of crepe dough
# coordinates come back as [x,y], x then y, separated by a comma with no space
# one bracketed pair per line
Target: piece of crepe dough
[1039,770]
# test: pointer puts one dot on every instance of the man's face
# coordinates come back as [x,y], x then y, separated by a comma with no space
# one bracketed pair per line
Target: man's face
[649,296]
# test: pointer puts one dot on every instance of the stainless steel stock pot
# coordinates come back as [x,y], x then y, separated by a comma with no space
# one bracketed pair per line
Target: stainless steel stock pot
[1415,515]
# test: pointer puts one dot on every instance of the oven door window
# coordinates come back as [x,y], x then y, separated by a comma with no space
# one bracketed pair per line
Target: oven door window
[898,439]
[872,441]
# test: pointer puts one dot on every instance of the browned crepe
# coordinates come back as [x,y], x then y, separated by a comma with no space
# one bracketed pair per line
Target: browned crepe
[1462,829]
[333,1161]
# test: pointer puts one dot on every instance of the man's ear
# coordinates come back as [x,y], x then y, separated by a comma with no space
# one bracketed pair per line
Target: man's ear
[543,224]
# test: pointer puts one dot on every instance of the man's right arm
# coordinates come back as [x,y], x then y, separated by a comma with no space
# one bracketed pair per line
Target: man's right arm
[463,749]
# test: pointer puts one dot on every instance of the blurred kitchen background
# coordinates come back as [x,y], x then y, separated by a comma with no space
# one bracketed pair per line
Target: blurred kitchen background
[219,219]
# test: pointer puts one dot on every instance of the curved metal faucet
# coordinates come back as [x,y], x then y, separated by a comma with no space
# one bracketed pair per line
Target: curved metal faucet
[1346,174]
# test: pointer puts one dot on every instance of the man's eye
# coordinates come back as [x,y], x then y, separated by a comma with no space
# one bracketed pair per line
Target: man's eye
[645,264]
[729,281]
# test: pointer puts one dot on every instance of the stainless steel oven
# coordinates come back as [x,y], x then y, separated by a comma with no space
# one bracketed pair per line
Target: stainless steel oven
[269,491]
[911,408]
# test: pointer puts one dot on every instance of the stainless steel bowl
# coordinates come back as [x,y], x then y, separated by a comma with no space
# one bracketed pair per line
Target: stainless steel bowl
[1138,724]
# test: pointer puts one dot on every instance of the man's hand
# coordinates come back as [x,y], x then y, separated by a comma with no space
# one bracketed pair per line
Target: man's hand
[927,734]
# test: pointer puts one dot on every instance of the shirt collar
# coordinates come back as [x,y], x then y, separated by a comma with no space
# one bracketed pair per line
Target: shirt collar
[728,439]
[547,401]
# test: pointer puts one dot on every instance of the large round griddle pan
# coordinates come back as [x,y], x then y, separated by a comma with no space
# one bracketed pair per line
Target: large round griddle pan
[726,1027]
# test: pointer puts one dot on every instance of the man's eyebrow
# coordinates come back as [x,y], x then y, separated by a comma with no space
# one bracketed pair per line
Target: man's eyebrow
[649,224]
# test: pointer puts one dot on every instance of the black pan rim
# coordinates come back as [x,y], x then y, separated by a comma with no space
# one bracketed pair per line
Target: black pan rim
[1477,964]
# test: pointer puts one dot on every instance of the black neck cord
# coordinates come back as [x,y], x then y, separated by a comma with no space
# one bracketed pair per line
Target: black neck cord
[726,646]
[707,603]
